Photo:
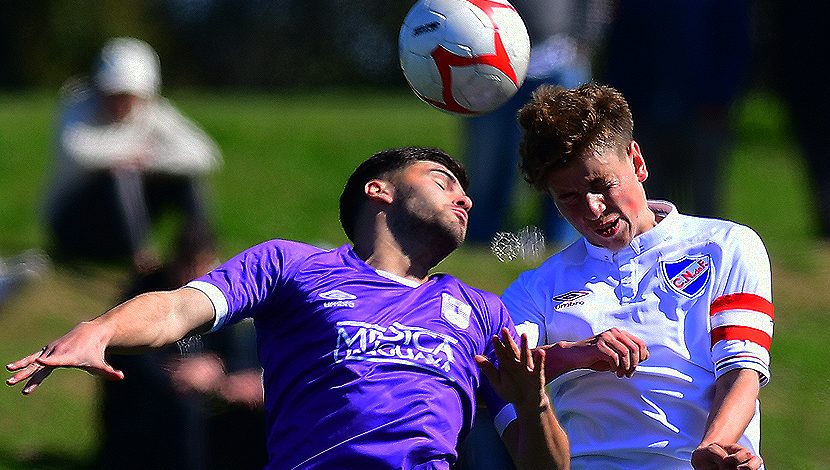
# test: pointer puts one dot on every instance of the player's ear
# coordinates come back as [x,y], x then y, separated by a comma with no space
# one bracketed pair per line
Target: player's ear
[639,162]
[379,190]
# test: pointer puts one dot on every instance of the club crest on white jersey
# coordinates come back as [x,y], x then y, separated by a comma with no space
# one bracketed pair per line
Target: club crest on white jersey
[455,311]
[687,276]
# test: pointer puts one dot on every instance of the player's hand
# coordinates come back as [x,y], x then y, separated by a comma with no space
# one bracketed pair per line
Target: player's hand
[520,376]
[202,373]
[244,388]
[725,457]
[82,348]
[612,350]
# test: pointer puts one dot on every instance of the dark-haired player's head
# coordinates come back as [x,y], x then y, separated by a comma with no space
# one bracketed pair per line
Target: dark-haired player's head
[385,165]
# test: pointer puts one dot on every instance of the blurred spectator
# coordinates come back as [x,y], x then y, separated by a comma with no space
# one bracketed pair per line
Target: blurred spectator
[198,405]
[564,35]
[20,269]
[801,48]
[682,64]
[123,155]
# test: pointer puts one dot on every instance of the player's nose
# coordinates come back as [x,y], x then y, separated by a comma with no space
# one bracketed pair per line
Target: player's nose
[596,206]
[464,201]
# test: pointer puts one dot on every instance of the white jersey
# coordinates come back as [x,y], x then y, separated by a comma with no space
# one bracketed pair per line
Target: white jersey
[696,291]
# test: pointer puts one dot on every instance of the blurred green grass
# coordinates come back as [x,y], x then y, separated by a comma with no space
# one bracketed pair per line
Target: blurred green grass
[286,158]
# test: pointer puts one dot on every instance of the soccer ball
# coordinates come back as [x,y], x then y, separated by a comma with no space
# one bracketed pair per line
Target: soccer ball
[464,56]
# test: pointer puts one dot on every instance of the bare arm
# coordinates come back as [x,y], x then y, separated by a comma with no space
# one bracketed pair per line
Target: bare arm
[148,321]
[732,409]
[612,350]
[535,439]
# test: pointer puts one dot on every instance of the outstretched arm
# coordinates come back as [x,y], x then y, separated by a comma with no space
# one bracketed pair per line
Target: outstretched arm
[535,439]
[148,321]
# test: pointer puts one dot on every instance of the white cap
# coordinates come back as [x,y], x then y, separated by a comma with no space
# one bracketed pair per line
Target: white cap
[128,65]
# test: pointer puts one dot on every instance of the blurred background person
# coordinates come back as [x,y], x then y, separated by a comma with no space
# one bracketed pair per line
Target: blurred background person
[682,64]
[564,36]
[124,155]
[195,405]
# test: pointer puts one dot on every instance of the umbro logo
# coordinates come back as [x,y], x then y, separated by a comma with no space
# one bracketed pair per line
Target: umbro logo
[570,299]
[337,294]
[338,298]
[569,296]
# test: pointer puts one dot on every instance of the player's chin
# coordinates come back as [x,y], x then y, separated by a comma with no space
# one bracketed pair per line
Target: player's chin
[454,236]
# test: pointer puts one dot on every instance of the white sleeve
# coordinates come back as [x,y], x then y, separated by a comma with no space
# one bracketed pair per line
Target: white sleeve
[529,319]
[741,316]
[527,314]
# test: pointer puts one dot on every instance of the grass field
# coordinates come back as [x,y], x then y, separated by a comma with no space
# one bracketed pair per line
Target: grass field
[286,157]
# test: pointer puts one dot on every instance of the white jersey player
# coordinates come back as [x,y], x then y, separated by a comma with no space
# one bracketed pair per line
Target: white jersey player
[689,296]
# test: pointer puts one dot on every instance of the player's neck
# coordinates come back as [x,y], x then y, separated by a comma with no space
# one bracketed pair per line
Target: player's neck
[384,252]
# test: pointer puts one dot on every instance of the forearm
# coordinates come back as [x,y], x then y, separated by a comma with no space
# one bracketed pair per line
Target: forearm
[154,320]
[563,357]
[733,407]
[535,439]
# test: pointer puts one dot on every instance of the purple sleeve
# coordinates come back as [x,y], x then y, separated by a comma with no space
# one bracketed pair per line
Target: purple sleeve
[500,409]
[253,277]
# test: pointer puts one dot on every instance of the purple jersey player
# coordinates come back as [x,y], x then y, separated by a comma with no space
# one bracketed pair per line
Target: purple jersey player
[369,361]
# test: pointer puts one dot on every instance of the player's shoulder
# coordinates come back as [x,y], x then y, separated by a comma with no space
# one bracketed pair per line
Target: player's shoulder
[726,233]
[475,293]
[572,255]
[287,249]
[543,279]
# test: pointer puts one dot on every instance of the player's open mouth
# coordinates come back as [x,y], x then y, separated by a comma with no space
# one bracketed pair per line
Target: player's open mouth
[610,229]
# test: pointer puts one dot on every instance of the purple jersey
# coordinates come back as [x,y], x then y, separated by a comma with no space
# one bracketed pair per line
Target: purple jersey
[362,369]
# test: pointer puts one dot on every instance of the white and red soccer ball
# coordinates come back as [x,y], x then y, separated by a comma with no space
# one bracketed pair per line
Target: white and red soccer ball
[464,56]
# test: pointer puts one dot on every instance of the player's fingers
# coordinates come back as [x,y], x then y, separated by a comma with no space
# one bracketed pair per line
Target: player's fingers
[621,350]
[611,356]
[508,342]
[501,352]
[638,344]
[26,361]
[538,356]
[36,379]
[753,463]
[23,374]
[632,352]
[642,347]
[24,368]
[486,367]
[525,357]
[740,457]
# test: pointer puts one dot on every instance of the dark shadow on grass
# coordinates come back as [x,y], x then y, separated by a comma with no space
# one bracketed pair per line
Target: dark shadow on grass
[42,460]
